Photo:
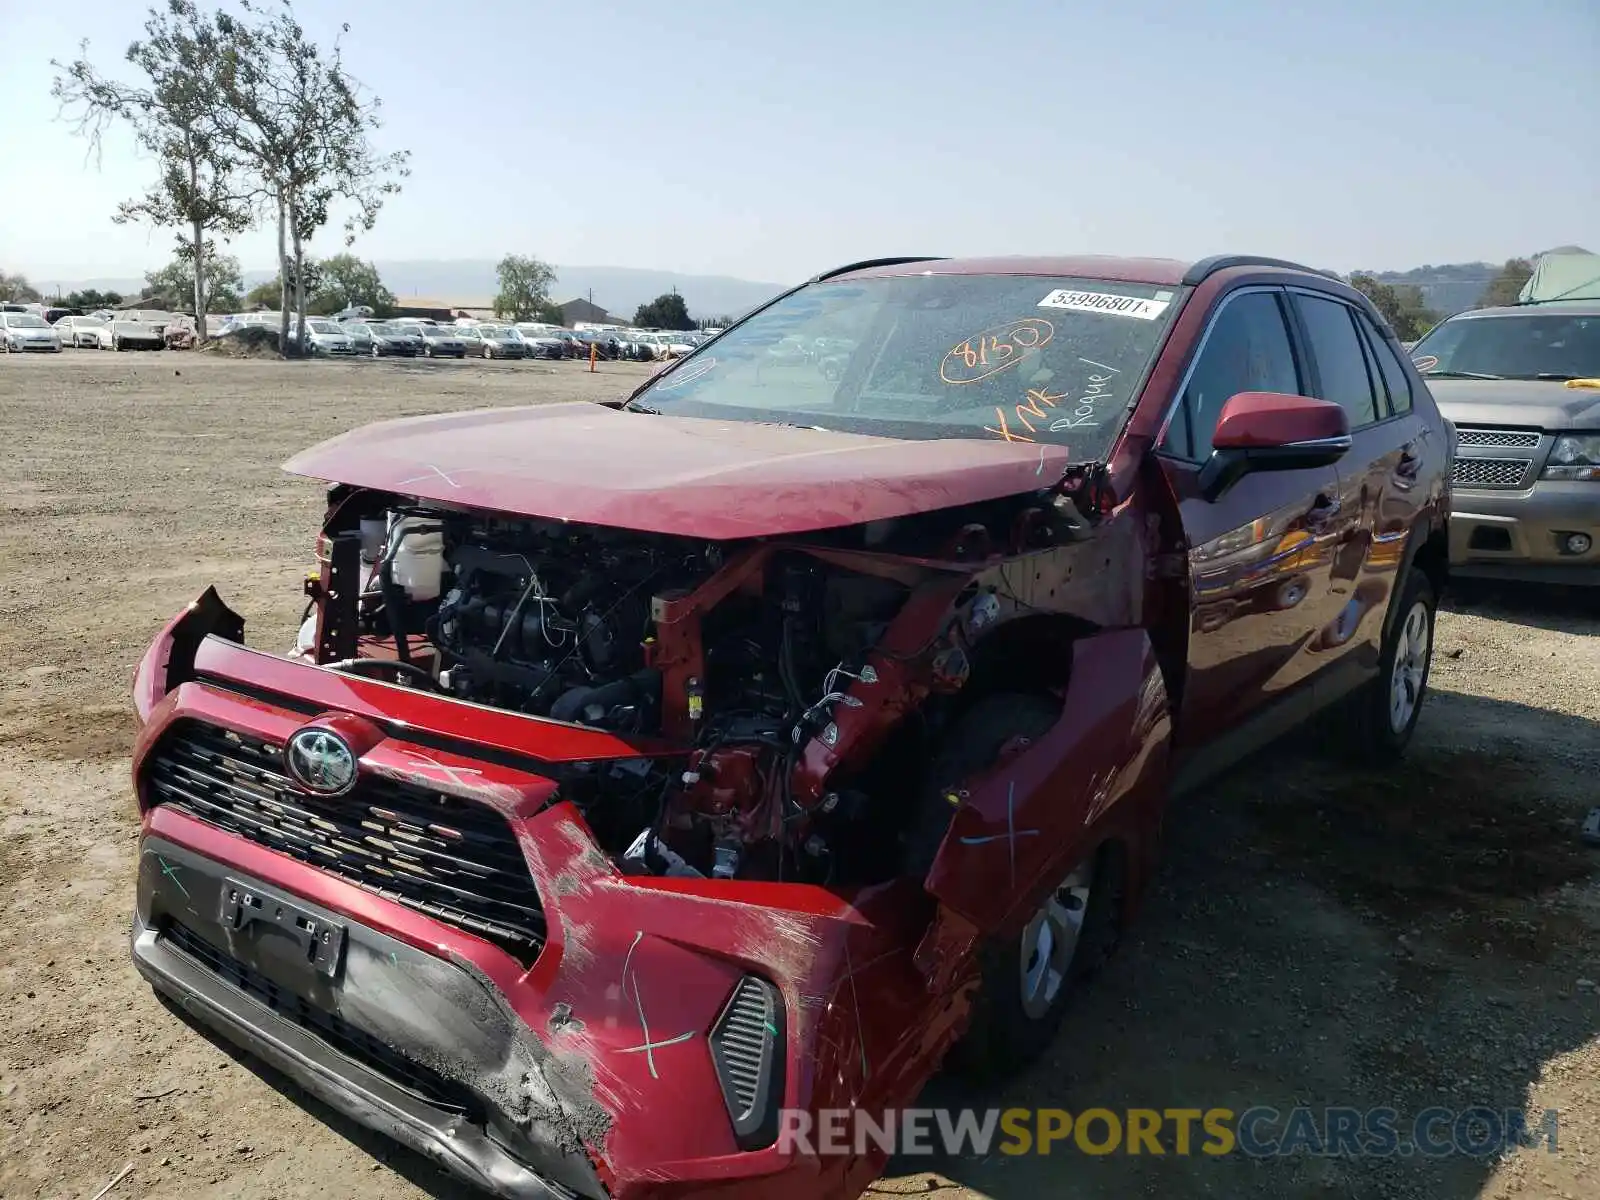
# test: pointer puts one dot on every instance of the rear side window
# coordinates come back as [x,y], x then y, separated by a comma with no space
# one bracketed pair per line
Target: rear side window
[1392,375]
[1341,361]
[1247,349]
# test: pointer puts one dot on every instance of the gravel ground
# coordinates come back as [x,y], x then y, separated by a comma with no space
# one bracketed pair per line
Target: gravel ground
[1318,935]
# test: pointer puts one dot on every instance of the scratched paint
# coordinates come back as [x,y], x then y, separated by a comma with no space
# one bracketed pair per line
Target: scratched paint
[649,1046]
[1011,834]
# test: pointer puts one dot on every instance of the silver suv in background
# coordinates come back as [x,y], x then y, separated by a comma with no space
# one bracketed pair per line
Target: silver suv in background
[1522,386]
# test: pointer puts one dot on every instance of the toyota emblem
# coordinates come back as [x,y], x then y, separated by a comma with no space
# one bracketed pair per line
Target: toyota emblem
[320,761]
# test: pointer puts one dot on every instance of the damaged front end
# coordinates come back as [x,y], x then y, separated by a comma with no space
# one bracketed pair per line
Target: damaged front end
[571,855]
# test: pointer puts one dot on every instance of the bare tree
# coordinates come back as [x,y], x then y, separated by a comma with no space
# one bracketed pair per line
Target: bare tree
[172,111]
[302,124]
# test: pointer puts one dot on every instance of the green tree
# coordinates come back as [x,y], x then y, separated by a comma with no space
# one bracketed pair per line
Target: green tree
[303,126]
[89,299]
[347,281]
[549,313]
[222,286]
[1401,305]
[524,287]
[172,111]
[1505,287]
[17,289]
[265,295]
[666,311]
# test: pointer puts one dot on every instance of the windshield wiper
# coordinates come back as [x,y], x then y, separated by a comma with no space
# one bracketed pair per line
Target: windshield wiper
[1459,375]
[1559,375]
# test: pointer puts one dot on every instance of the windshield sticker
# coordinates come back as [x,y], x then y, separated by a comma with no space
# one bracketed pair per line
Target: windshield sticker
[687,375]
[1426,363]
[1105,302]
[994,350]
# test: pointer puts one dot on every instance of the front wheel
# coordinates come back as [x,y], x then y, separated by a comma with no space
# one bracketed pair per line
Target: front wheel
[1384,712]
[488,353]
[1029,982]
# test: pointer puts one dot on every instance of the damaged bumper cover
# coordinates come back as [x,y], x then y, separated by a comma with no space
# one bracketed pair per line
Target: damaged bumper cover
[363,1049]
[589,1068]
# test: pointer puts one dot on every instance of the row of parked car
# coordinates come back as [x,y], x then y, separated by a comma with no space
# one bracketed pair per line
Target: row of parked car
[354,333]
[357,333]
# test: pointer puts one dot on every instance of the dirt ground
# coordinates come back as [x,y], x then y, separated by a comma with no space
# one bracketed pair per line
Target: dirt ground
[1318,935]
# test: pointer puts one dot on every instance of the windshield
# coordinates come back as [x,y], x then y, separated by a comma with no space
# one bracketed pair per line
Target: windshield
[324,327]
[25,321]
[1018,358]
[1547,345]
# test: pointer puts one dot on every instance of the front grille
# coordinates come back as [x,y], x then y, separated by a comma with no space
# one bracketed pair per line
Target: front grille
[1524,438]
[339,1034]
[1489,472]
[451,858]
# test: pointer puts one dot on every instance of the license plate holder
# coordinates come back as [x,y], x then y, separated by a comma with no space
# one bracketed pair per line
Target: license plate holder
[244,908]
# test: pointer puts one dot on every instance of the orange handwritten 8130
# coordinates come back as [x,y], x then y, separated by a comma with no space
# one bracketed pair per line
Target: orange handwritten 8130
[995,350]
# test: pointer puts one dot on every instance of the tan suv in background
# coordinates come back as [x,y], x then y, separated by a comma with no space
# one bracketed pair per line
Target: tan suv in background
[1522,385]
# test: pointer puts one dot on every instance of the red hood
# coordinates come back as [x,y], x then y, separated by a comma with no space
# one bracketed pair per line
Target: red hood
[681,475]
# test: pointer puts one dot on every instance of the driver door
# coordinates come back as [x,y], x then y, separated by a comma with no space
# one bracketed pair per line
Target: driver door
[1259,557]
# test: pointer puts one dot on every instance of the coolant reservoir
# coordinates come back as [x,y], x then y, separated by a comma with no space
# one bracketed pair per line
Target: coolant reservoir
[418,558]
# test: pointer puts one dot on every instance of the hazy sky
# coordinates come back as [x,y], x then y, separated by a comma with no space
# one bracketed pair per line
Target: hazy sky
[770,140]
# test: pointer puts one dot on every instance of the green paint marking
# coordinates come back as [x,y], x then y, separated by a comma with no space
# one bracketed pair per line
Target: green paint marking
[771,1028]
[394,958]
[170,873]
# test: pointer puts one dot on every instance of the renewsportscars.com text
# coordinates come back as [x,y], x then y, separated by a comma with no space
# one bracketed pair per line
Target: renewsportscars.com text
[1258,1132]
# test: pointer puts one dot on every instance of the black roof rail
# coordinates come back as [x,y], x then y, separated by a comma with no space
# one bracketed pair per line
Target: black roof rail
[1221,262]
[866,263]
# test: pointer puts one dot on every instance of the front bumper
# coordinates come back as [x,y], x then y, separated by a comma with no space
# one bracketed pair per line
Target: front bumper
[32,344]
[1518,535]
[591,1060]
[249,987]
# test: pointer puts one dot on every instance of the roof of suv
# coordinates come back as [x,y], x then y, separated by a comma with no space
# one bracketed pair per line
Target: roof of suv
[1569,308]
[1159,271]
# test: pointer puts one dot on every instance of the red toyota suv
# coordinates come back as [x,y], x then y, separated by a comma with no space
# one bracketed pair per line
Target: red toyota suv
[651,777]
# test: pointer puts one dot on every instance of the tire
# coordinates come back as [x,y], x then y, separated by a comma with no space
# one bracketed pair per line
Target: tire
[461,353]
[487,353]
[376,353]
[1016,1015]
[427,352]
[1383,713]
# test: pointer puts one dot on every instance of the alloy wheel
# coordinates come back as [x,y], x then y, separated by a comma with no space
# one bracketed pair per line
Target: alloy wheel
[1051,940]
[1410,666]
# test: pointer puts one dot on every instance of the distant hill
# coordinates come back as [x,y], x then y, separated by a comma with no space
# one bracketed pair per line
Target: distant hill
[618,290]
[1454,287]
[1446,289]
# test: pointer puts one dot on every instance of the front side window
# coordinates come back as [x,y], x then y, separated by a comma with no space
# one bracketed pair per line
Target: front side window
[999,357]
[1392,374]
[1535,345]
[1246,349]
[1341,360]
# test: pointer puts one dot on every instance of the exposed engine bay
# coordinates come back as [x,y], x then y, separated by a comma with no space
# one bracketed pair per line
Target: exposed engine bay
[788,683]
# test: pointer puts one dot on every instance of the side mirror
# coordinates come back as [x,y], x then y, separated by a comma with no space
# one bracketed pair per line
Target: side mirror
[1273,431]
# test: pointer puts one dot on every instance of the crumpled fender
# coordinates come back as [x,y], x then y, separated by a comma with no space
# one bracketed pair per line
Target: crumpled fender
[1100,772]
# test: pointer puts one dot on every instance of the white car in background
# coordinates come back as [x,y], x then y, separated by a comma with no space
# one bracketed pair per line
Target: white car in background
[81,333]
[27,331]
[121,333]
